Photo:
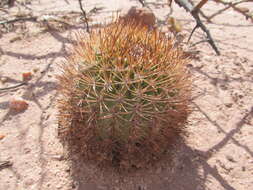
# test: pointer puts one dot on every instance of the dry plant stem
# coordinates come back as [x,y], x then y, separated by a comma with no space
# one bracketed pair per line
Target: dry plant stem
[202,41]
[200,12]
[217,13]
[33,19]
[85,16]
[5,164]
[233,5]
[199,5]
[229,6]
[195,14]
[142,2]
[169,2]
[12,87]
[5,11]
[11,3]
[203,14]
[67,1]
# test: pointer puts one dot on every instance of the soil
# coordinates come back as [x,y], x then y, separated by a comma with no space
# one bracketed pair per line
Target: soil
[218,151]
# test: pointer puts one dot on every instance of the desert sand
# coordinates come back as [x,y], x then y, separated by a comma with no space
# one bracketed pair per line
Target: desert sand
[218,152]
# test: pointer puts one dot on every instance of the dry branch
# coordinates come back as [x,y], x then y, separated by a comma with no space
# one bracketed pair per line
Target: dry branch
[5,164]
[199,5]
[237,9]
[217,13]
[11,3]
[194,11]
[18,19]
[85,16]
[142,2]
[12,87]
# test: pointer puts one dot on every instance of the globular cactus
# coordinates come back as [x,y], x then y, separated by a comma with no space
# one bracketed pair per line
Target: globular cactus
[125,93]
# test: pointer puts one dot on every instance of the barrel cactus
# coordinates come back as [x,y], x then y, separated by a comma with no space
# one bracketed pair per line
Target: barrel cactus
[125,94]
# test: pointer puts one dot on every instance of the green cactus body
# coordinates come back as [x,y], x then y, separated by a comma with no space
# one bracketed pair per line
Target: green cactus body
[126,84]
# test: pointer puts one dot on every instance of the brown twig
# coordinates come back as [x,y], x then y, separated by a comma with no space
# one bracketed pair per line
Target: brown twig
[67,1]
[18,19]
[217,13]
[231,5]
[12,87]
[199,5]
[85,16]
[11,3]
[202,41]
[200,11]
[5,11]
[5,164]
[188,6]
[142,2]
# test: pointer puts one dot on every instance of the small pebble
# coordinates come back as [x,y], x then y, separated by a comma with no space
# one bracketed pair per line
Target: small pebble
[17,38]
[35,70]
[18,105]
[230,158]
[3,79]
[57,157]
[229,105]
[2,137]
[27,76]
[59,186]
[67,170]
[27,150]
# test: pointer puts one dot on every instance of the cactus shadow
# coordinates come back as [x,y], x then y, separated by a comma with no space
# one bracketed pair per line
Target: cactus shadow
[179,169]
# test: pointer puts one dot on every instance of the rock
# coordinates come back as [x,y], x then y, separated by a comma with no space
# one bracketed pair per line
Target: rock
[229,105]
[144,16]
[58,157]
[3,79]
[35,70]
[59,186]
[18,105]
[27,76]
[243,9]
[27,150]
[2,137]
[67,170]
[17,38]
[142,187]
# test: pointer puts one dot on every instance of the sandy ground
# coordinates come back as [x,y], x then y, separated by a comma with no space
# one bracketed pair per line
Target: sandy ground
[218,153]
